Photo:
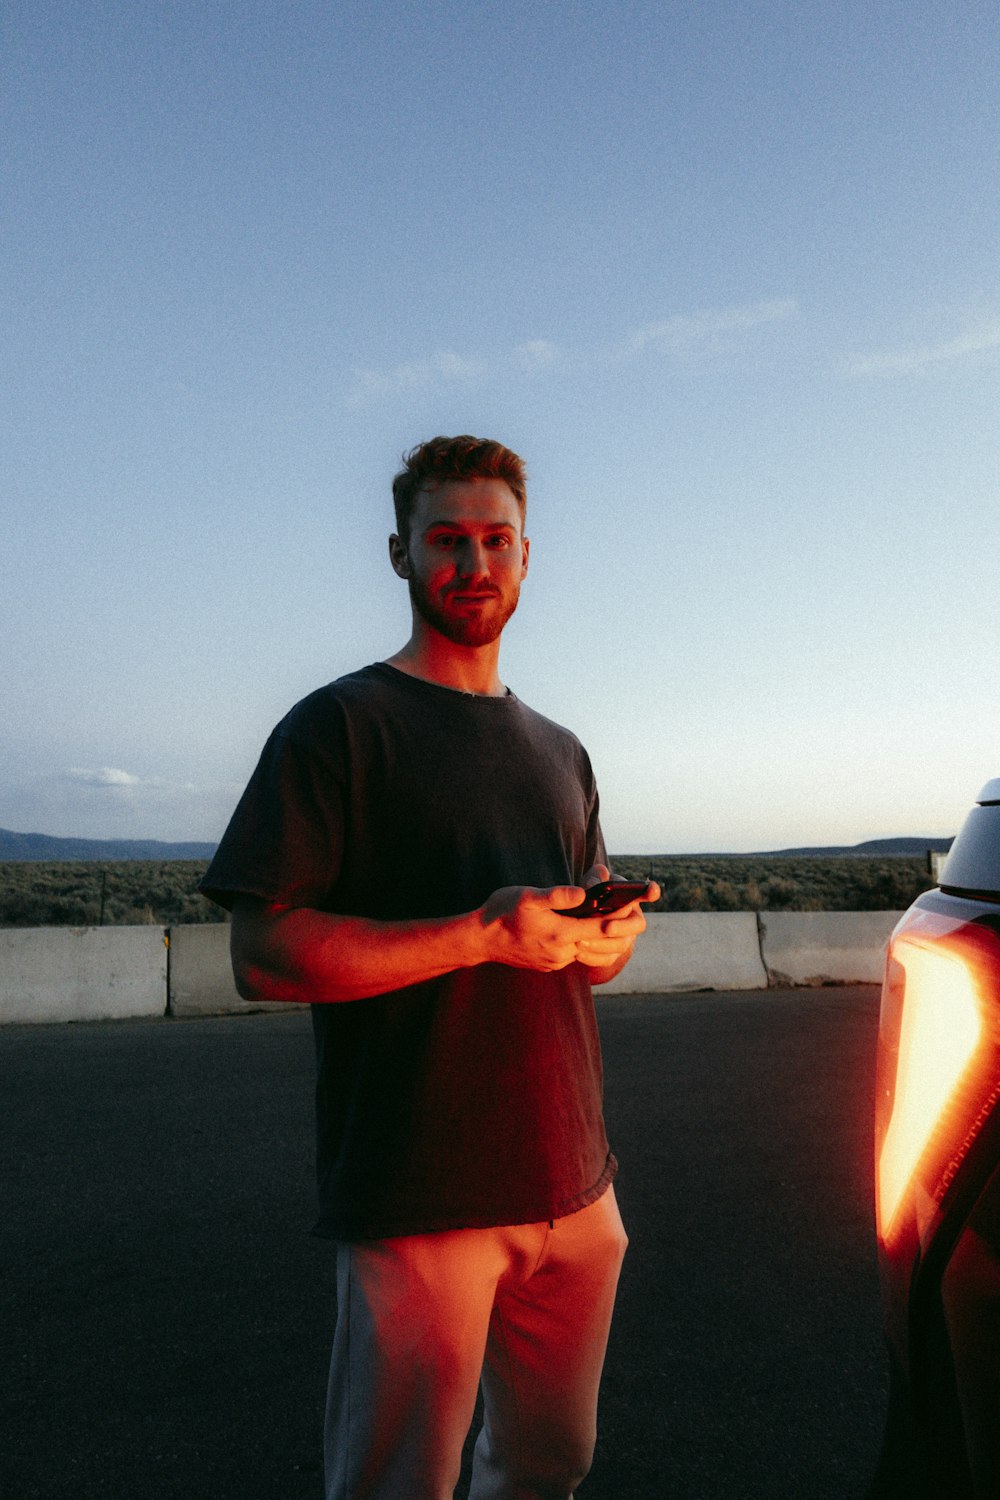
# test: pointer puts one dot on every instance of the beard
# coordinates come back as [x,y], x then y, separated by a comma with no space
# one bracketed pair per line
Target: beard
[474,629]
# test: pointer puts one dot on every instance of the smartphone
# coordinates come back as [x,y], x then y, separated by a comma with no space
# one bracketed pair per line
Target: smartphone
[607,897]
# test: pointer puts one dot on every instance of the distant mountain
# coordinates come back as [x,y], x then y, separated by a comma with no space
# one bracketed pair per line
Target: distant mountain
[39,846]
[874,846]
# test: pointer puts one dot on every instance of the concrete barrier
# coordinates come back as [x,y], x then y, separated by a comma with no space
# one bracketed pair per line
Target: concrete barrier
[201,975]
[825,947]
[111,973]
[694,950]
[82,973]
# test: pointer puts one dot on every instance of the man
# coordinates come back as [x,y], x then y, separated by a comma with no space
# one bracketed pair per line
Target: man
[399,859]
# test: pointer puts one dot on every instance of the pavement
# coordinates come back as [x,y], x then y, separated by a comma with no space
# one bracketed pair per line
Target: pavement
[167,1316]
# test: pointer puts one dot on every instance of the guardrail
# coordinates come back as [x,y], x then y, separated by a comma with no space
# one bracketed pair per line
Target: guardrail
[113,973]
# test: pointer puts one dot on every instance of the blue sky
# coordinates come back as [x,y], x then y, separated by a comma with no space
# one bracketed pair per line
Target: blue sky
[727,276]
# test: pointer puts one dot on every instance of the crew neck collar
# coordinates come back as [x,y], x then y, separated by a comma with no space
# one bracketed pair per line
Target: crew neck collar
[441,687]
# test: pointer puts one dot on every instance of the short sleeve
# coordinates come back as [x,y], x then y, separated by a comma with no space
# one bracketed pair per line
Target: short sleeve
[597,854]
[595,851]
[284,842]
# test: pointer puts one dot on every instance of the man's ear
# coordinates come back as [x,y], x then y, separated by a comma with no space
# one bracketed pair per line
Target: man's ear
[399,556]
[525,549]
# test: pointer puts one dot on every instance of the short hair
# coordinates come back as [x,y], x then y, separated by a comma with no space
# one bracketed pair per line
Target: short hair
[443,459]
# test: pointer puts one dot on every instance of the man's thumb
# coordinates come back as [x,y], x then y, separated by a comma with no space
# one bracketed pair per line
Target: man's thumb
[564,897]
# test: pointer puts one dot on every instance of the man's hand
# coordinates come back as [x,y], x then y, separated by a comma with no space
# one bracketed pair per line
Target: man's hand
[524,928]
[618,932]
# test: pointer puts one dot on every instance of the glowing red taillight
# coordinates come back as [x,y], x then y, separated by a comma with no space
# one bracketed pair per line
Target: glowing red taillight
[939,1062]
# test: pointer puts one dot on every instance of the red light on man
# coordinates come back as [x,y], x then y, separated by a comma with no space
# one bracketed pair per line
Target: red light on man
[399,859]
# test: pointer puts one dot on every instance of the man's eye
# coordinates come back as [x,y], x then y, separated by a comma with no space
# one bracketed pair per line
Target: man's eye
[500,540]
[444,541]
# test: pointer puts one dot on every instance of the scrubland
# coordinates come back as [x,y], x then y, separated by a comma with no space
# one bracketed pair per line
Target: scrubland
[755,882]
[127,892]
[76,893]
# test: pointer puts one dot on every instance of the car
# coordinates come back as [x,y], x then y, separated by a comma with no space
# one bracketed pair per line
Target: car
[937,1177]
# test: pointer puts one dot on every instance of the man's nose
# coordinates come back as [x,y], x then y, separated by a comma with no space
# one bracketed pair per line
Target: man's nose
[473,559]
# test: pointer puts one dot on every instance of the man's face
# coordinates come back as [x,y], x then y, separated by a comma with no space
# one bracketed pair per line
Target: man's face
[465,559]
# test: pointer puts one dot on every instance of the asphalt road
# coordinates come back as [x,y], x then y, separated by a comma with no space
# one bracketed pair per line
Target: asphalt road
[166,1316]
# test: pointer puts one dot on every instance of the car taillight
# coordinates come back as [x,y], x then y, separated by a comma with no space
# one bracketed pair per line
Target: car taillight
[939,1062]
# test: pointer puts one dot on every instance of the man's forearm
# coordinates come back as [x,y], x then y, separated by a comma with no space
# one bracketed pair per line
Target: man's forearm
[299,954]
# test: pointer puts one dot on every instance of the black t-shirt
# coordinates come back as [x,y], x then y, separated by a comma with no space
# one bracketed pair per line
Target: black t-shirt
[469,1100]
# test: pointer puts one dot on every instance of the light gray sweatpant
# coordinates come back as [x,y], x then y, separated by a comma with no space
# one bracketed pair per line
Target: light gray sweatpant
[422,1318]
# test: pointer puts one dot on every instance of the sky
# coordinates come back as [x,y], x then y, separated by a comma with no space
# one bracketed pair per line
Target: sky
[727,276]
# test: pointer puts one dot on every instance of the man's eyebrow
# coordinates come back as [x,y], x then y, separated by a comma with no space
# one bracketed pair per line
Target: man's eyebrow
[470,525]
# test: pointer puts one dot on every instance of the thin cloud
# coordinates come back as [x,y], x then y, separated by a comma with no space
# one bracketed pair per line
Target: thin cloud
[111,778]
[417,375]
[979,340]
[674,333]
[536,354]
[682,331]
[106,776]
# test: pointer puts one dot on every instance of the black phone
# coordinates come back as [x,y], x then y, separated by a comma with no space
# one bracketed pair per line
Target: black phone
[607,897]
